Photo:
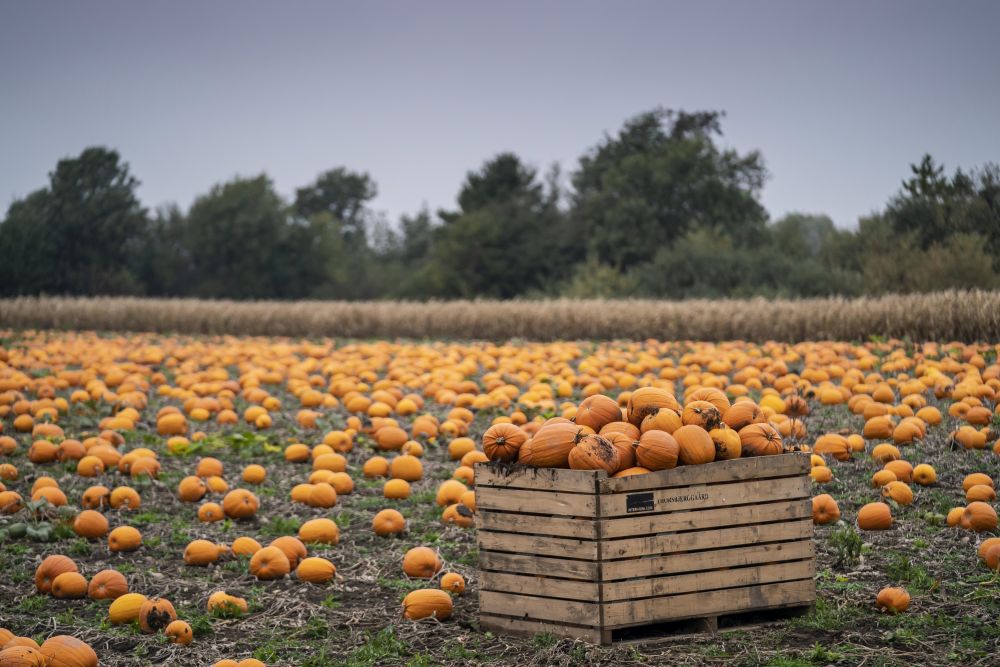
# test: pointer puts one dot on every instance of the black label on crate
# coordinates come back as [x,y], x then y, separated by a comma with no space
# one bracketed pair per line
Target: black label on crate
[639,502]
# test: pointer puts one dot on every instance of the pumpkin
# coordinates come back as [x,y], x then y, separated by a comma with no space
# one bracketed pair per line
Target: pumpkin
[596,411]
[96,497]
[628,472]
[647,401]
[594,452]
[210,512]
[695,445]
[69,586]
[875,516]
[459,515]
[760,440]
[179,632]
[452,582]
[727,443]
[322,531]
[10,502]
[191,489]
[981,492]
[741,414]
[333,462]
[222,603]
[315,570]
[90,524]
[125,608]
[878,428]
[834,445]
[269,563]
[155,614]
[201,552]
[124,538]
[701,413]
[52,494]
[901,469]
[22,656]
[821,474]
[125,497]
[710,395]
[657,450]
[550,446]
[406,467]
[390,438]
[626,449]
[664,419]
[427,603]
[240,504]
[50,568]
[991,556]
[825,509]
[388,522]
[376,466]
[883,477]
[66,651]
[450,492]
[956,517]
[107,585]
[980,517]
[396,489]
[421,562]
[502,442]
[245,546]
[293,547]
[899,492]
[893,600]
[975,479]
[254,474]
[924,475]
[987,544]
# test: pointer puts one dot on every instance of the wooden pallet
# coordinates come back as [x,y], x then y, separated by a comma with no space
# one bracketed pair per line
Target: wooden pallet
[578,554]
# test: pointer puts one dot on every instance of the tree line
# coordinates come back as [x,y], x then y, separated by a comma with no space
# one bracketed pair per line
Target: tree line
[658,209]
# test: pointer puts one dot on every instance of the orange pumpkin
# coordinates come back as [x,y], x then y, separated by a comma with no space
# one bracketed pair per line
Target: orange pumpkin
[657,450]
[502,442]
[875,516]
[760,440]
[594,452]
[155,614]
[647,401]
[269,563]
[50,568]
[595,412]
[66,651]
[696,446]
[427,603]
[825,509]
[893,600]
[421,562]
[107,585]
[315,570]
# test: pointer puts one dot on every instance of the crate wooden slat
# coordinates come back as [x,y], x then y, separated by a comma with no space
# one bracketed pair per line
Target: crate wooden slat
[579,554]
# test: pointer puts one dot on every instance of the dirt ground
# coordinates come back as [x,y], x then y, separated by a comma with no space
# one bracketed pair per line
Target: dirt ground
[954,617]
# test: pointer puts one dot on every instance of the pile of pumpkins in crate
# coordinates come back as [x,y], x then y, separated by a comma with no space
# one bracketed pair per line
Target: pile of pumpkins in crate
[652,432]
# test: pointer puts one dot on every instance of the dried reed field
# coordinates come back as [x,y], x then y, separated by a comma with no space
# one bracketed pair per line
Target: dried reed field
[968,316]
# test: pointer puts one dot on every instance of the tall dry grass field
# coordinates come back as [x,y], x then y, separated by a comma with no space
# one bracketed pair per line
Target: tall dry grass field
[952,315]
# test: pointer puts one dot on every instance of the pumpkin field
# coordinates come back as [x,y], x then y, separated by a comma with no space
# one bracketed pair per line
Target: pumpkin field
[202,499]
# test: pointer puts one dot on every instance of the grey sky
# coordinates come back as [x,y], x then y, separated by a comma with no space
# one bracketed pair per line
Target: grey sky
[839,96]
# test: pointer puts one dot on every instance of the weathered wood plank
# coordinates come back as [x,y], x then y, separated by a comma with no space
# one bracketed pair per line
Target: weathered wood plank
[696,519]
[525,628]
[706,539]
[707,560]
[543,479]
[541,586]
[538,545]
[708,603]
[704,496]
[585,529]
[536,502]
[701,581]
[540,565]
[539,608]
[758,467]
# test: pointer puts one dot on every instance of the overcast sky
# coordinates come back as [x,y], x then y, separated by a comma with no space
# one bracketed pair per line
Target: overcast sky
[838,96]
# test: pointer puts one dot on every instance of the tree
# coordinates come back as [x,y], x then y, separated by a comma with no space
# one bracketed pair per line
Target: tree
[660,177]
[506,239]
[83,232]
[344,195]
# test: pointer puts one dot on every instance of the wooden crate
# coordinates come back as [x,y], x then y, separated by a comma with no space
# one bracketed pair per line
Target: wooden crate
[578,554]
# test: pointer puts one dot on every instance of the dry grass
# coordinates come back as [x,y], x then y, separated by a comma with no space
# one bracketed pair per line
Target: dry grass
[944,316]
